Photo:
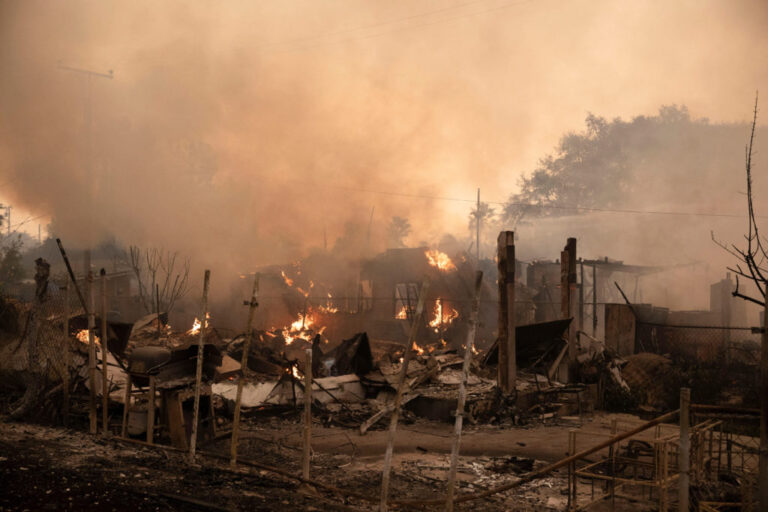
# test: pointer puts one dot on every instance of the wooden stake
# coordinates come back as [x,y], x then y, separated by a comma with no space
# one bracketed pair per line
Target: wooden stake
[568,297]
[685,450]
[473,320]
[127,403]
[243,370]
[93,418]
[104,338]
[199,371]
[151,410]
[581,296]
[157,307]
[417,320]
[67,357]
[306,454]
[594,300]
[507,368]
[762,479]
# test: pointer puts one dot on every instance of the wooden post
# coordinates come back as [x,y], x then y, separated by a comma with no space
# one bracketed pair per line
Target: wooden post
[157,307]
[243,370]
[67,357]
[762,480]
[127,403]
[93,419]
[104,338]
[473,321]
[507,369]
[581,296]
[685,449]
[417,320]
[725,305]
[572,470]
[306,453]
[151,410]
[594,300]
[568,296]
[199,371]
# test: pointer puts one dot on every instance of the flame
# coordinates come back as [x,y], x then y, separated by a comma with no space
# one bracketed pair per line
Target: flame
[402,314]
[82,337]
[329,308]
[300,328]
[440,260]
[444,315]
[417,348]
[474,350]
[287,279]
[196,325]
[293,371]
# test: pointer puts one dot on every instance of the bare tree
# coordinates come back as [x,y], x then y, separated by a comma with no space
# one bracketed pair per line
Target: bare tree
[159,273]
[752,260]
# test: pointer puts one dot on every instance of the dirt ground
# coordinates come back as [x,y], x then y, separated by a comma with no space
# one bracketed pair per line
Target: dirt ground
[45,468]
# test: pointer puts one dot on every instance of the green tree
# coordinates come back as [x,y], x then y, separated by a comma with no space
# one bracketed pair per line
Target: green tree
[609,161]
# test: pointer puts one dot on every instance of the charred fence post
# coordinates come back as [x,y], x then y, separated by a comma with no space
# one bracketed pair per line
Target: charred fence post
[581,295]
[151,410]
[104,338]
[307,448]
[199,370]
[567,299]
[594,299]
[252,304]
[473,321]
[126,403]
[507,368]
[762,481]
[67,358]
[93,419]
[417,320]
[685,449]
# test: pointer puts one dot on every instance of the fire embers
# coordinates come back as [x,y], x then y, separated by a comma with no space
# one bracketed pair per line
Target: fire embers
[308,323]
[82,337]
[197,324]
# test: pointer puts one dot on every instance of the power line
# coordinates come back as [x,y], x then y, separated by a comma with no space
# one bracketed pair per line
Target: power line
[543,206]
[373,25]
[391,22]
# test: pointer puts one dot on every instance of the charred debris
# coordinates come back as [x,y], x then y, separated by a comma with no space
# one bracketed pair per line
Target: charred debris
[410,335]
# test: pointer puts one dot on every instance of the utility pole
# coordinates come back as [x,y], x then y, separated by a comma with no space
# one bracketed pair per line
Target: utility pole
[88,116]
[8,219]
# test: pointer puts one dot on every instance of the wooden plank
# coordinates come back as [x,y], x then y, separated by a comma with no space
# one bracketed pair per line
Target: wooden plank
[174,414]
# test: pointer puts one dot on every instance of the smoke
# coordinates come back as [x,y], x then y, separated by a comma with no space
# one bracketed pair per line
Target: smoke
[240,132]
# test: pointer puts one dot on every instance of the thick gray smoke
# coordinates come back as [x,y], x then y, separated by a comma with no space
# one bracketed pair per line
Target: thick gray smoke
[239,132]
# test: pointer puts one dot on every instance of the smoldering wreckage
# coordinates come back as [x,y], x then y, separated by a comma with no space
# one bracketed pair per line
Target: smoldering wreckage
[430,385]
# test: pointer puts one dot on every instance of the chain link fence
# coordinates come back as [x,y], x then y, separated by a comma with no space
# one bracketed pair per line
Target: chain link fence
[42,349]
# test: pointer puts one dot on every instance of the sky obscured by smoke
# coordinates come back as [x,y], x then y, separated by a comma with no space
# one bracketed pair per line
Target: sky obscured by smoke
[237,132]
